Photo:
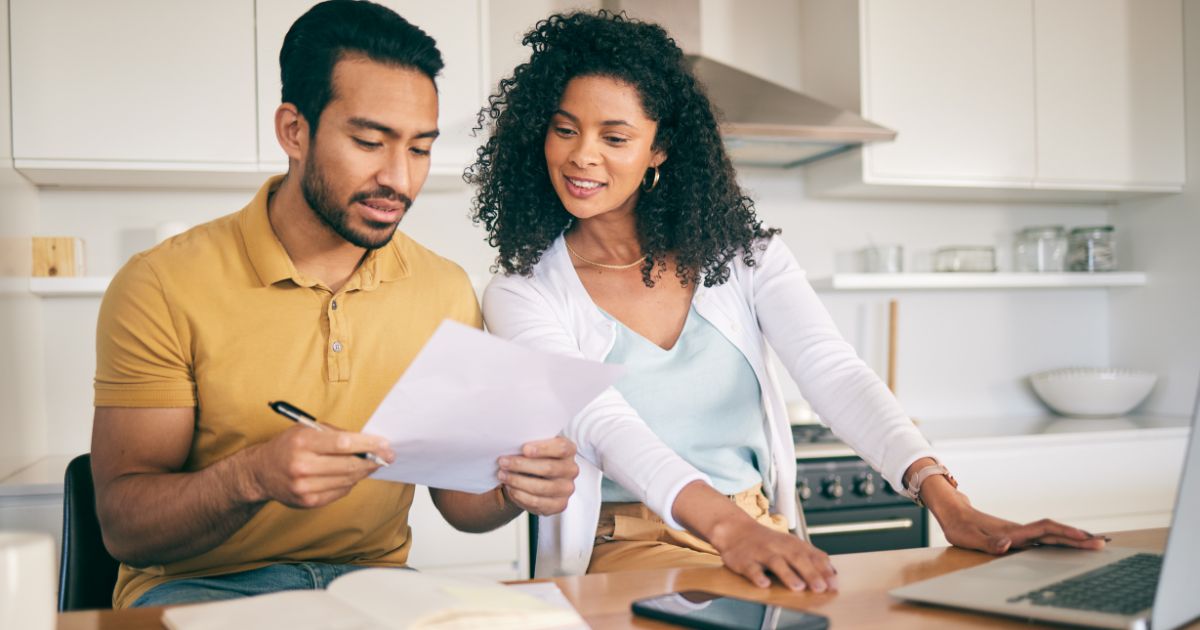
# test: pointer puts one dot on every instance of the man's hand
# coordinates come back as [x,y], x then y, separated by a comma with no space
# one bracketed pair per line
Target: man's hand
[541,479]
[306,468]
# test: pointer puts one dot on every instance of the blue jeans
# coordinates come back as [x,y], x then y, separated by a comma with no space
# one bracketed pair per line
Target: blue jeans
[269,579]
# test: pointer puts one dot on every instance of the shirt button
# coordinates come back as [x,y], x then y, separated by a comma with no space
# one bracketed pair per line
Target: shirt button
[333,305]
[337,346]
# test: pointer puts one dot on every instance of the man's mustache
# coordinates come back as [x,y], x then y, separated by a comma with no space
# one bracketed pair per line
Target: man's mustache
[383,193]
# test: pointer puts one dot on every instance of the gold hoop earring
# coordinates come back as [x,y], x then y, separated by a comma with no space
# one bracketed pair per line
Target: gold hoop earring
[653,182]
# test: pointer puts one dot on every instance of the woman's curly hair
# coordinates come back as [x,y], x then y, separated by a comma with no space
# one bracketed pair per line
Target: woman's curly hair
[697,210]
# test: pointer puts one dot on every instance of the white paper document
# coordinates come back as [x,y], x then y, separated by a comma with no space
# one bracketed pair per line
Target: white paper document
[469,398]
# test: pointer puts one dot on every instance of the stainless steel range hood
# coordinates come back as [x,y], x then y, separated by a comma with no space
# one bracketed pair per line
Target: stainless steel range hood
[764,123]
[767,124]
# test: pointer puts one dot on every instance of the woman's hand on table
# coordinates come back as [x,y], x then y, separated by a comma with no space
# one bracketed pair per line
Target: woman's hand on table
[753,550]
[749,548]
[967,527]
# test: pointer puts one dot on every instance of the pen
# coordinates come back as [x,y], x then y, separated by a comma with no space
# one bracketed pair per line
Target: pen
[294,413]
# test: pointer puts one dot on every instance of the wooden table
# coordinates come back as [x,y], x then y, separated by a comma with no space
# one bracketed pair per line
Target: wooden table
[862,602]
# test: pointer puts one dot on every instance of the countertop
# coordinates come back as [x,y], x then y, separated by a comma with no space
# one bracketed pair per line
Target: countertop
[974,432]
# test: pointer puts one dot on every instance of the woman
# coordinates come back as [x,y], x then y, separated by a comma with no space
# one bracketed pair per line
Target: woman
[624,237]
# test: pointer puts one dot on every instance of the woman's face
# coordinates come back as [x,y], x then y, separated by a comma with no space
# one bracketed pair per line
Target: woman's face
[598,147]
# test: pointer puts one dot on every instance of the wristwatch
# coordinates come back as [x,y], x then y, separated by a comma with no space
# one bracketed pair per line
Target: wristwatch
[918,479]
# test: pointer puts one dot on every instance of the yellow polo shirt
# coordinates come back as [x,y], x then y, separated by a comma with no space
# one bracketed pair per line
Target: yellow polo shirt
[219,319]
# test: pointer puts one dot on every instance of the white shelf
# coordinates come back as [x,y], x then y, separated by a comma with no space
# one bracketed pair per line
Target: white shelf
[99,174]
[86,286]
[963,280]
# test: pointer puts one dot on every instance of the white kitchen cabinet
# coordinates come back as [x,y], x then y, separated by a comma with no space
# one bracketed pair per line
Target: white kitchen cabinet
[966,116]
[1055,100]
[135,86]
[1104,481]
[502,554]
[146,93]
[1109,93]
[457,27]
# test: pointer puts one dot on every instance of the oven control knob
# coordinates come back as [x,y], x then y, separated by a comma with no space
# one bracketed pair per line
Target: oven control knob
[864,485]
[832,488]
[804,491]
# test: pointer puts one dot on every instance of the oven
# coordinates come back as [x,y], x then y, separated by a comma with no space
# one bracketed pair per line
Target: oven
[848,507]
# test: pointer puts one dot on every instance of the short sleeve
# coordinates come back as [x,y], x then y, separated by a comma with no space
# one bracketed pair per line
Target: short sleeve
[140,361]
[464,305]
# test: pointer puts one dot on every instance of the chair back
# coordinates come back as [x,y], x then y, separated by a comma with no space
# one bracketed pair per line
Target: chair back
[87,574]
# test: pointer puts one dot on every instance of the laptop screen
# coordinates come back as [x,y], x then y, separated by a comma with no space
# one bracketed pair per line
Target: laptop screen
[1175,602]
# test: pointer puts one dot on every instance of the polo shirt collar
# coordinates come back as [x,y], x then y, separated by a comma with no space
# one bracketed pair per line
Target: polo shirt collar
[271,261]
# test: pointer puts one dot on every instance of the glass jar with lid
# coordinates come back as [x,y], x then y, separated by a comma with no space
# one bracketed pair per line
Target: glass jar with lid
[1041,248]
[1092,249]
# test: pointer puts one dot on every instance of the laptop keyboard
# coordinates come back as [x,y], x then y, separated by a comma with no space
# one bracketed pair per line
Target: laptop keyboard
[1123,587]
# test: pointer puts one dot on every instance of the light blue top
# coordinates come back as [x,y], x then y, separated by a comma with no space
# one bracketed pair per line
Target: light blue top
[700,397]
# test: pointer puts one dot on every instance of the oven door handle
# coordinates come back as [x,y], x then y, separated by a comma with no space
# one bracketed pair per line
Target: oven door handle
[856,528]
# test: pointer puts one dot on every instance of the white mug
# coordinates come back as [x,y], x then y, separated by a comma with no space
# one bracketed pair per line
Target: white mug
[27,581]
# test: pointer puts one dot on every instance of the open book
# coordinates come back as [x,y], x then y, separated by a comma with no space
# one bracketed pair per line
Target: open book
[386,599]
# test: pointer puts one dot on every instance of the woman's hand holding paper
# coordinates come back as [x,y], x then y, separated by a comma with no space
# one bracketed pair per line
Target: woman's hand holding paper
[541,479]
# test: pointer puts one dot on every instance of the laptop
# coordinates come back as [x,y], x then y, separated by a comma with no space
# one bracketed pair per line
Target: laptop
[1111,588]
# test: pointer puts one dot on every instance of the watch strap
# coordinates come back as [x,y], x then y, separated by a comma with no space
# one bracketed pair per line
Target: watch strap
[918,479]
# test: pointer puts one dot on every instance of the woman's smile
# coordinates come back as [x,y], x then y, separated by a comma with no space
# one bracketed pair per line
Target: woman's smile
[581,188]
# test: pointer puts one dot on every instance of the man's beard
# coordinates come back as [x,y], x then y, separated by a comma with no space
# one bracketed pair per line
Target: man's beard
[317,194]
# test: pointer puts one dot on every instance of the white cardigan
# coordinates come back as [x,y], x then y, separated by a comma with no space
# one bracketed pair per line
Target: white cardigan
[770,302]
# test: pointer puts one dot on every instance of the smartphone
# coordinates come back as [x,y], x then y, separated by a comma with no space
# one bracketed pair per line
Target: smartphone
[701,609]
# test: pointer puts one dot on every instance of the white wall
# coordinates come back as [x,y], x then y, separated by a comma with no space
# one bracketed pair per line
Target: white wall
[22,394]
[1159,327]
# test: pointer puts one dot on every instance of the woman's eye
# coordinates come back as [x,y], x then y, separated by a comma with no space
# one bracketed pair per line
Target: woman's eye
[366,144]
[564,131]
[617,139]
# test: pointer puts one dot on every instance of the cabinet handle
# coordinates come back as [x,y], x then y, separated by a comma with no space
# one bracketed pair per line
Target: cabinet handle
[856,528]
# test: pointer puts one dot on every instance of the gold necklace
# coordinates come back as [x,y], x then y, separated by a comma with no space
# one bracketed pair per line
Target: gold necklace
[602,265]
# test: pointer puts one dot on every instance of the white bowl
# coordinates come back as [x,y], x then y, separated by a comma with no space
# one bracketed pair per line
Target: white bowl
[1092,392]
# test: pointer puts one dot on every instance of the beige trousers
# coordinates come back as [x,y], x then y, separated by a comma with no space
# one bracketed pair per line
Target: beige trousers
[630,536]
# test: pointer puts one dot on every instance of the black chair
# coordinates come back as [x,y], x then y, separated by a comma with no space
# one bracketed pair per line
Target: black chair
[87,575]
[533,537]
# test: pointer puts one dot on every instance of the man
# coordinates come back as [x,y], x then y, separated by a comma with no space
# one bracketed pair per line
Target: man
[309,295]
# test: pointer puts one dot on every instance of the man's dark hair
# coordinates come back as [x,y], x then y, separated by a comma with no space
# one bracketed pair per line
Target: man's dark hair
[697,211]
[336,28]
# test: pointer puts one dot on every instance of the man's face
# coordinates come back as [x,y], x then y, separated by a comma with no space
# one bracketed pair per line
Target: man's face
[370,155]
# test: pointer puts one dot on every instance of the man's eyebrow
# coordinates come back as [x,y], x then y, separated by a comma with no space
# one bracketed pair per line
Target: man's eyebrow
[367,123]
[607,123]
